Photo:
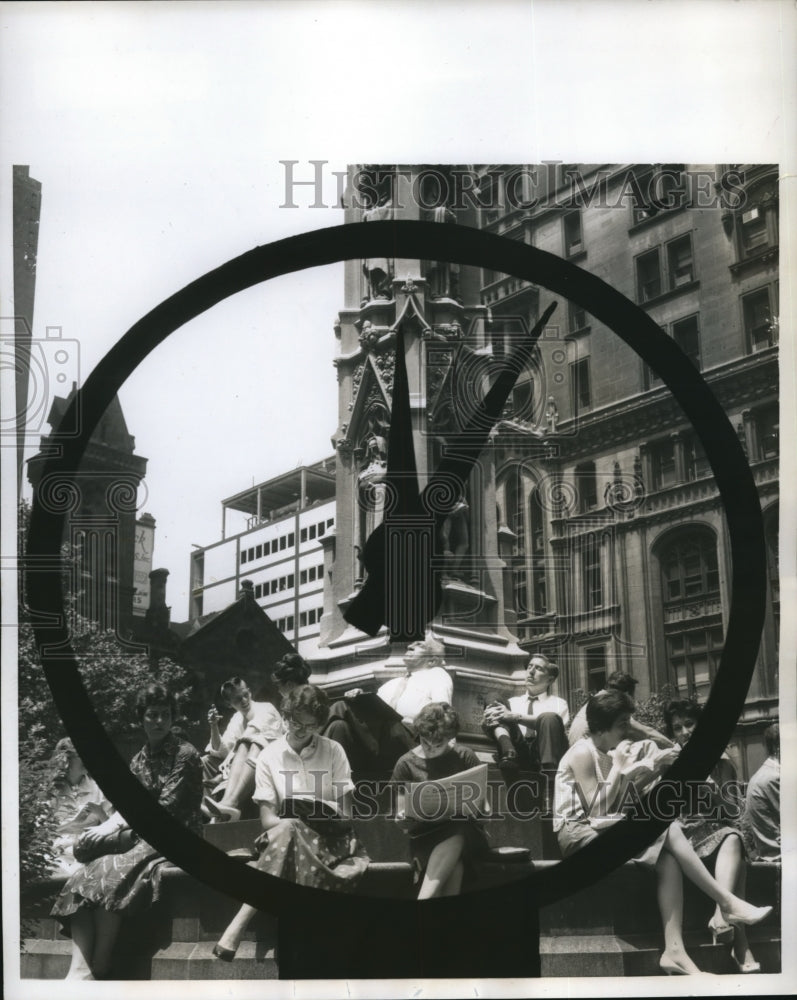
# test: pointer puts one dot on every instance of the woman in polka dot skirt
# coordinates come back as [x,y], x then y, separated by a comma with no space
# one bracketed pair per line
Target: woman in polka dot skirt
[303,787]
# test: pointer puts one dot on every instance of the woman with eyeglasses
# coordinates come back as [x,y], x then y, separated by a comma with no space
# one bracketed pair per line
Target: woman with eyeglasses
[95,899]
[303,788]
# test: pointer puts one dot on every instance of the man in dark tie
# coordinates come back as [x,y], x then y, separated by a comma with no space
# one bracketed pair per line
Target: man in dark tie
[529,729]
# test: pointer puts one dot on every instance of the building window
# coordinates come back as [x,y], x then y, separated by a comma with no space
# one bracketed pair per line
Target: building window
[662,190]
[662,464]
[244,556]
[766,428]
[330,521]
[648,276]
[689,568]
[591,573]
[693,626]
[773,563]
[291,539]
[696,465]
[680,261]
[259,552]
[694,656]
[574,241]
[595,658]
[686,335]
[587,486]
[303,535]
[266,548]
[580,385]
[303,578]
[311,532]
[759,327]
[537,533]
[757,220]
[516,522]
[577,317]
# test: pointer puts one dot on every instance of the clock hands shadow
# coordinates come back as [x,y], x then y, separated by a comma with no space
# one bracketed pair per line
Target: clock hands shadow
[403,589]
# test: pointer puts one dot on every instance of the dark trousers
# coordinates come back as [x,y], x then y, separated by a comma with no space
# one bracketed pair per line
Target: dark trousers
[540,751]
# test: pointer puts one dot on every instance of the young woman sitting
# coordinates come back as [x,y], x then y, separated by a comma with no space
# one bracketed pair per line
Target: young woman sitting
[590,785]
[253,726]
[439,849]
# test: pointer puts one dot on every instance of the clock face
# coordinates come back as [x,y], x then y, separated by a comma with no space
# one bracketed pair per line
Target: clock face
[412,241]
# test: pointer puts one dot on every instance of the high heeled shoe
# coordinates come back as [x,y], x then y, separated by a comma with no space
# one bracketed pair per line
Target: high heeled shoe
[746,967]
[748,916]
[225,954]
[671,968]
[721,932]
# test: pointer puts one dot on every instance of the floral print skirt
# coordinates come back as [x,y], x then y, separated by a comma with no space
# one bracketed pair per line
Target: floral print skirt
[293,851]
[129,882]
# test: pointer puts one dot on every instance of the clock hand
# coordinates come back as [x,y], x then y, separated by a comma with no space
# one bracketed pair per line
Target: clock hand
[468,445]
[368,609]
[406,597]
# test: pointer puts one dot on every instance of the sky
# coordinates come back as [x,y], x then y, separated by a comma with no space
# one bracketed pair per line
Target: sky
[157,131]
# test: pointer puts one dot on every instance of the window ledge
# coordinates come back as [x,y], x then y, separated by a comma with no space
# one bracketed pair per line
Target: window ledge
[767,255]
[670,293]
[667,213]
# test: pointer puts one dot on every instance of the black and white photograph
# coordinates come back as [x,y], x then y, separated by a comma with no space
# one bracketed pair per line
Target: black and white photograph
[392,530]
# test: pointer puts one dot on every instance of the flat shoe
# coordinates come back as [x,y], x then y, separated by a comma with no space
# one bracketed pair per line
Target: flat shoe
[746,967]
[225,954]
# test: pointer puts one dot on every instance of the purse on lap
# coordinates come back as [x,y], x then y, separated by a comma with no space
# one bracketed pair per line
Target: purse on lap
[118,842]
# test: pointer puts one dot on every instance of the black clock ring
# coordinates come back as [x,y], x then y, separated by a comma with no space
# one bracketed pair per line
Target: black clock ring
[426,241]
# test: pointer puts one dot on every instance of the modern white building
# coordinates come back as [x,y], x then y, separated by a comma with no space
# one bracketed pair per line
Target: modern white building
[272,534]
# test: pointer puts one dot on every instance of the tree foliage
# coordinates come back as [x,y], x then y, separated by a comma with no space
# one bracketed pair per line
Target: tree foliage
[112,675]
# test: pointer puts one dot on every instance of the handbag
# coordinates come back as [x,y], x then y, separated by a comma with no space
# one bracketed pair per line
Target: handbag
[118,842]
[320,817]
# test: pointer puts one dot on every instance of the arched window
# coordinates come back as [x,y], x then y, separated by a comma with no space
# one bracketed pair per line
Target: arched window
[693,628]
[526,520]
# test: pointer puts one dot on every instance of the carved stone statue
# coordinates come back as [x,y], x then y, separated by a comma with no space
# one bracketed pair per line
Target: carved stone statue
[377,270]
[455,538]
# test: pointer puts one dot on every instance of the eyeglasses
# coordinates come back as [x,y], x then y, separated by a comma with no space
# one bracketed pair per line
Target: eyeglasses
[302,726]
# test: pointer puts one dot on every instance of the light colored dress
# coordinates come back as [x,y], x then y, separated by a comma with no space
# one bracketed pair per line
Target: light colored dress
[293,849]
[571,824]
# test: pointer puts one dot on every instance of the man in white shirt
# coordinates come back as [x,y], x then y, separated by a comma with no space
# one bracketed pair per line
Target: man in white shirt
[424,682]
[761,820]
[530,728]
[374,739]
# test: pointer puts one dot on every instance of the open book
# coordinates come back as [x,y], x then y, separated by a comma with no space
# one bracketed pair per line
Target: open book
[460,794]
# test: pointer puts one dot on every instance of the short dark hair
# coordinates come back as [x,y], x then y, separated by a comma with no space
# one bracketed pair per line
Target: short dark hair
[155,694]
[229,688]
[306,698]
[621,681]
[551,669]
[436,722]
[605,708]
[772,739]
[291,669]
[685,707]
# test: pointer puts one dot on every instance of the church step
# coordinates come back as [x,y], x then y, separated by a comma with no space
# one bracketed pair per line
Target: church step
[186,960]
[624,902]
[575,955]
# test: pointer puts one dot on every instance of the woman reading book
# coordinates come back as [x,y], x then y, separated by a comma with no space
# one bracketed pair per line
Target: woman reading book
[439,848]
[302,786]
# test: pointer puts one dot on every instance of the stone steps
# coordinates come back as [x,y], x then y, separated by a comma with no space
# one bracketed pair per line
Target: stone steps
[609,928]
